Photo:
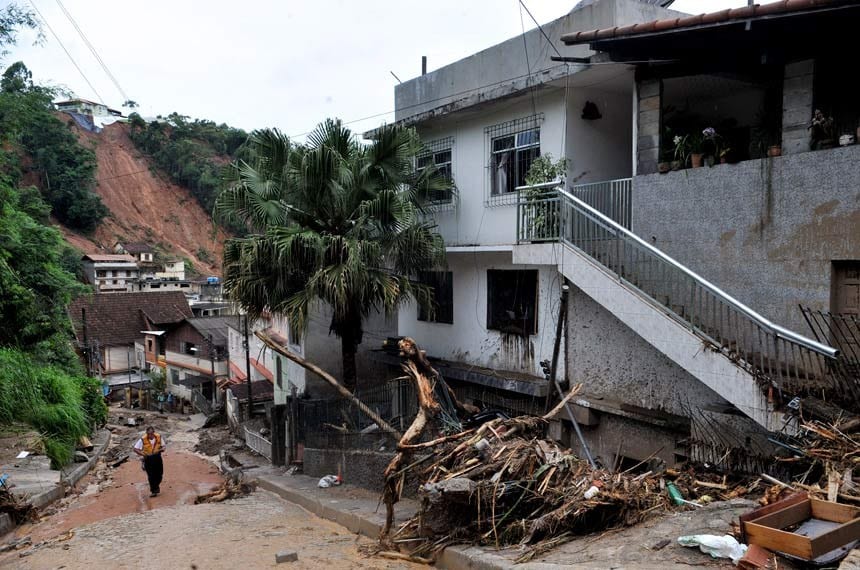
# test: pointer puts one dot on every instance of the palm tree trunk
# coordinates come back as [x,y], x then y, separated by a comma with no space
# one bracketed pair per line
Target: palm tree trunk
[348,349]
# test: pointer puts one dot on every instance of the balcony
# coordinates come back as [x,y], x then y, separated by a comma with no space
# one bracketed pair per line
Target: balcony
[538,207]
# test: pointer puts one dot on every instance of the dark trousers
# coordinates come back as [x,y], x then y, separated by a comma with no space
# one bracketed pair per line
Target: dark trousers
[154,471]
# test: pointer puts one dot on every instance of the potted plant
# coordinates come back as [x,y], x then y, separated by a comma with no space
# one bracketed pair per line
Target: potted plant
[697,149]
[725,155]
[822,133]
[766,133]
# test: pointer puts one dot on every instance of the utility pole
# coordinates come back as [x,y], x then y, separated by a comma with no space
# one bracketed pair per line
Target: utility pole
[128,362]
[212,360]
[88,359]
[248,365]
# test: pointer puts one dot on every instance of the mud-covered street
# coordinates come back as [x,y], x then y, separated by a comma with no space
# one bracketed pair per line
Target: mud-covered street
[111,522]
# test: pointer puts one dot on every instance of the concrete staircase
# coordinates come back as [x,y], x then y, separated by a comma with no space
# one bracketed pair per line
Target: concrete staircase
[727,346]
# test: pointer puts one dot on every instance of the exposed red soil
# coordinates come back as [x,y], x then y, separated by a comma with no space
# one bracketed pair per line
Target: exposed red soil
[144,205]
[185,476]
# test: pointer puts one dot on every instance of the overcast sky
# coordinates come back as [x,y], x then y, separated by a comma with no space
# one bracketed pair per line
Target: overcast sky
[285,64]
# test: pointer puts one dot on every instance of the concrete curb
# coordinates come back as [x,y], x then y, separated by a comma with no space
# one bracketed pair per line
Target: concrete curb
[370,525]
[70,478]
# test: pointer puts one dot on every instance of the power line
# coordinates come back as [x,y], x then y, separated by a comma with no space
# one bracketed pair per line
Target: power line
[59,41]
[552,45]
[93,50]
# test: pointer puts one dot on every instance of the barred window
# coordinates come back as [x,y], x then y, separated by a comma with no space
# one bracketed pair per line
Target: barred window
[513,146]
[438,153]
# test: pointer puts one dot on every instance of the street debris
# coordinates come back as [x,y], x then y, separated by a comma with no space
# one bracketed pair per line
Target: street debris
[725,546]
[16,507]
[232,488]
[286,556]
[329,481]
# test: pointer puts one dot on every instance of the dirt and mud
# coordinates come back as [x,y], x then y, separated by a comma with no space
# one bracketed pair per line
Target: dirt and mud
[144,205]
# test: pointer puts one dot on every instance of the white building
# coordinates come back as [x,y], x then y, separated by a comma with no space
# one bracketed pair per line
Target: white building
[172,270]
[485,119]
[109,273]
[86,107]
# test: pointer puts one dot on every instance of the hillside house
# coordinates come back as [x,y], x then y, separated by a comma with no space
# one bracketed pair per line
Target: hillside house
[110,273]
[659,266]
[86,107]
[173,270]
[107,327]
[193,354]
[484,120]
[142,252]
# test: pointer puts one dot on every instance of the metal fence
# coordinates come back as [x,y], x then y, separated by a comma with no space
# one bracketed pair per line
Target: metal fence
[779,357]
[200,402]
[258,443]
[539,207]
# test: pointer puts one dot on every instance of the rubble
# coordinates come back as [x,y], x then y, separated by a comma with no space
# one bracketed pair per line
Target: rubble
[232,488]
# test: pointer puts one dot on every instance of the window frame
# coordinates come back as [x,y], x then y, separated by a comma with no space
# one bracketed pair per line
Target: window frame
[524,147]
[432,150]
[493,297]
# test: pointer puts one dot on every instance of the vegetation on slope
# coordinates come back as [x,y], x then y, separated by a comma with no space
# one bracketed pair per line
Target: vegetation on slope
[45,148]
[60,406]
[191,152]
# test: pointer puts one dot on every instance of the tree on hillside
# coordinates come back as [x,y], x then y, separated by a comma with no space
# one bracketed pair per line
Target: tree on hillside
[332,221]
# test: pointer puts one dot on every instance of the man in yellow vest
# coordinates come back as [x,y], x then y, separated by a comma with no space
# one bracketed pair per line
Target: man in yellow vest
[150,447]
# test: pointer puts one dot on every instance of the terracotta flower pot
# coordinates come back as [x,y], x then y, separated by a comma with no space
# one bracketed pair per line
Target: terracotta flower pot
[723,160]
[663,167]
[775,150]
[696,159]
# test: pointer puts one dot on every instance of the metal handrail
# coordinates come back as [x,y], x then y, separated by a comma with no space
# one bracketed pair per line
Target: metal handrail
[777,330]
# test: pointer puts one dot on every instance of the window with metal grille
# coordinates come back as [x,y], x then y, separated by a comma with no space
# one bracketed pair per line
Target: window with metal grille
[512,300]
[513,146]
[438,153]
[442,283]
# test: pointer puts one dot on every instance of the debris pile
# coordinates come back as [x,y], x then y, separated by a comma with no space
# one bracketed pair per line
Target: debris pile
[231,488]
[16,507]
[503,484]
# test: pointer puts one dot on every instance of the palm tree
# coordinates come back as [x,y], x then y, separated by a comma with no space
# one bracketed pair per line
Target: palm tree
[333,220]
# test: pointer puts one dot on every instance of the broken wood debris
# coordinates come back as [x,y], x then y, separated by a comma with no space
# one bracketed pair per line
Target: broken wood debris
[232,488]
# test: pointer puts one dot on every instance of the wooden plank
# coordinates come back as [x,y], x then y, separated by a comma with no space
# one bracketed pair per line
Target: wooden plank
[835,512]
[787,516]
[779,540]
[835,538]
[771,508]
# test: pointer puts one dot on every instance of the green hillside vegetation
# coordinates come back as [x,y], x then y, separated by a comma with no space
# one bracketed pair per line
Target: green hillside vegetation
[62,407]
[42,383]
[192,152]
[43,146]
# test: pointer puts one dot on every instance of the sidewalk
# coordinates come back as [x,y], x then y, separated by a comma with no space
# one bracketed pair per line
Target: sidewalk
[360,511]
[33,478]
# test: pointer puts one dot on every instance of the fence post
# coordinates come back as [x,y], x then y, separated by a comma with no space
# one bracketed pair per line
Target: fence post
[279,440]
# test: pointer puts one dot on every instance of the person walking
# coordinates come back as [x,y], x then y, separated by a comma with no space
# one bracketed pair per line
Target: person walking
[150,446]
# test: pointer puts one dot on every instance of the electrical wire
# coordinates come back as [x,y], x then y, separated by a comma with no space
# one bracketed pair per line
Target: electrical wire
[93,50]
[59,41]
[552,45]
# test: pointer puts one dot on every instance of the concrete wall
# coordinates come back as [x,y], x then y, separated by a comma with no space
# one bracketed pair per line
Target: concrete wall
[599,149]
[766,231]
[116,358]
[472,221]
[797,98]
[499,71]
[468,339]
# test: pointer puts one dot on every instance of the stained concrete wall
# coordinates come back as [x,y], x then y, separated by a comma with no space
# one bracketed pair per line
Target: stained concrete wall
[499,71]
[468,339]
[766,231]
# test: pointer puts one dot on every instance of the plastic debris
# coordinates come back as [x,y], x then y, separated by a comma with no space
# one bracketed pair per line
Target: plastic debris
[717,546]
[329,481]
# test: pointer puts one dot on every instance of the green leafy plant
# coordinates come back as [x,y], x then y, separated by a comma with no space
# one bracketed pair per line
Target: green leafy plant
[540,212]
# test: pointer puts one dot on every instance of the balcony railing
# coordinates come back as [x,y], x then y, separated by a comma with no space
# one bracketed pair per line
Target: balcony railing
[778,357]
[538,206]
